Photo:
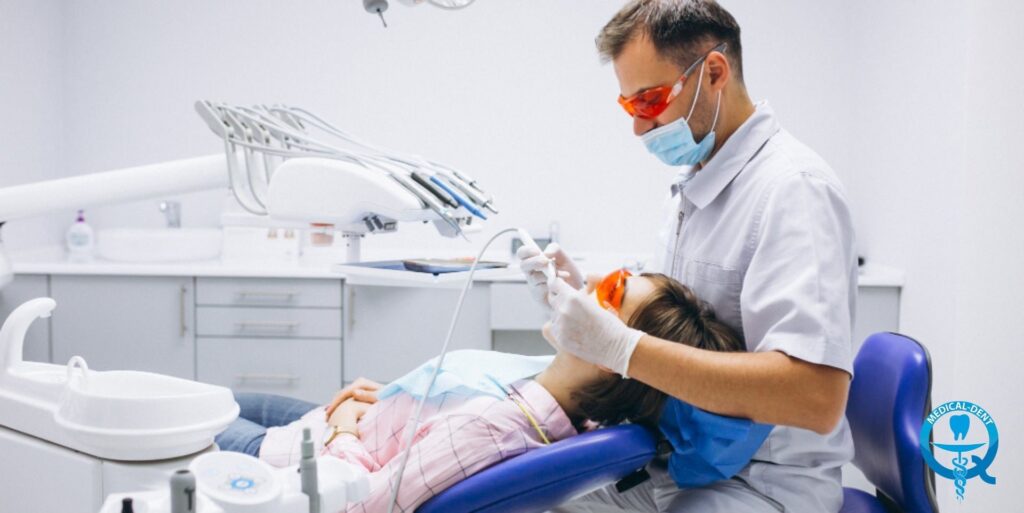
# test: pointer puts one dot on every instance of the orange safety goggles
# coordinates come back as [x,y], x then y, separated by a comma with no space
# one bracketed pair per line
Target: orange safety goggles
[612,288]
[651,102]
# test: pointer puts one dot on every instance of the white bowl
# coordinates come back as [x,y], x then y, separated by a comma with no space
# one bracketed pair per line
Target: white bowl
[134,415]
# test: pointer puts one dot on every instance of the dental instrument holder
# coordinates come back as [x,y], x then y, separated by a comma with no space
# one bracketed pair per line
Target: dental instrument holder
[262,141]
[258,143]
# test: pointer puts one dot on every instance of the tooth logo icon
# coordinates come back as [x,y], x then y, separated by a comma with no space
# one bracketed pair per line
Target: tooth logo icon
[959,425]
[969,458]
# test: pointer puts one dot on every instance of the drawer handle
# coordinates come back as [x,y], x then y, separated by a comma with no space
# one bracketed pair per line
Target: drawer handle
[287,379]
[182,324]
[267,295]
[268,326]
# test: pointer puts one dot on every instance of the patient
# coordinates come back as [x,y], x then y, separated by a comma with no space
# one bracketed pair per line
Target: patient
[461,434]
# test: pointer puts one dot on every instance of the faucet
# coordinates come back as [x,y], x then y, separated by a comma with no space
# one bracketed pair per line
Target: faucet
[172,211]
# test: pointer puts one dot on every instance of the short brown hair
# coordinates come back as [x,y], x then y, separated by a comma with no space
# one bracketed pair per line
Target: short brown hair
[681,30]
[672,312]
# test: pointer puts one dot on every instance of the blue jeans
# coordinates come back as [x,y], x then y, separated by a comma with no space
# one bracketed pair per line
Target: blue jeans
[259,412]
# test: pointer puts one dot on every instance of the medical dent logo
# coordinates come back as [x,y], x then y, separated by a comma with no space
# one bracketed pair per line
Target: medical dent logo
[965,437]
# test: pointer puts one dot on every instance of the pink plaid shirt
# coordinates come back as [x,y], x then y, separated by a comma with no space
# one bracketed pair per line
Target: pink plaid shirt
[458,437]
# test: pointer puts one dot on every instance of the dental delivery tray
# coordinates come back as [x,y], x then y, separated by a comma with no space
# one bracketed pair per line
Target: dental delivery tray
[431,265]
[119,415]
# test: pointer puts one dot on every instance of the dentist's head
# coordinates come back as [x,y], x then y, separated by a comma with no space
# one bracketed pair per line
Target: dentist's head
[680,70]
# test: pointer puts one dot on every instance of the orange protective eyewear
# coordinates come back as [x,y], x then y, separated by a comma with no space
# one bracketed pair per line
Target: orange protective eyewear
[651,102]
[612,288]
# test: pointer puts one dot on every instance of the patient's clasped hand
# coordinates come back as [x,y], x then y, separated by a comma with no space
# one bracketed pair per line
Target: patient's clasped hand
[489,406]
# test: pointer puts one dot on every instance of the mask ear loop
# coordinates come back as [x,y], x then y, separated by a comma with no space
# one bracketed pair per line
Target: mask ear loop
[700,81]
[718,105]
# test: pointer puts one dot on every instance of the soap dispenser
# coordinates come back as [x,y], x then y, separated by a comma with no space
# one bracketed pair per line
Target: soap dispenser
[80,240]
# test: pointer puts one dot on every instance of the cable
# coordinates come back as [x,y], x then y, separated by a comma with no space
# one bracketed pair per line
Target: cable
[410,429]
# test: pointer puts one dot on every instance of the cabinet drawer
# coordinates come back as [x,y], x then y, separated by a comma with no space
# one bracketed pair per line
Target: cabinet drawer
[268,292]
[221,321]
[513,308]
[303,368]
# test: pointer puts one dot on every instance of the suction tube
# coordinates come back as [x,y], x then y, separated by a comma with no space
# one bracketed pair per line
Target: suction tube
[410,428]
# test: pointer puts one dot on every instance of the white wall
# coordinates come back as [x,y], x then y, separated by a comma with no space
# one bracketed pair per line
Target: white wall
[516,103]
[31,128]
[915,104]
[522,104]
[935,119]
[990,242]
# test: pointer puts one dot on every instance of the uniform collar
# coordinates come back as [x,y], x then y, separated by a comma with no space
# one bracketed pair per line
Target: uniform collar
[732,157]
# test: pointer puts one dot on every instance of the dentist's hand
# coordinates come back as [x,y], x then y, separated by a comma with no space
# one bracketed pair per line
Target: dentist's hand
[532,263]
[581,327]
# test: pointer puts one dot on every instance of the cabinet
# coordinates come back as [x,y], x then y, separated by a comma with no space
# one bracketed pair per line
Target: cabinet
[391,330]
[273,335]
[517,318]
[125,322]
[23,288]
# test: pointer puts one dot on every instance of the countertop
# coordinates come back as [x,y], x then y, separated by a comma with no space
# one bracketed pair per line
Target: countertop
[53,260]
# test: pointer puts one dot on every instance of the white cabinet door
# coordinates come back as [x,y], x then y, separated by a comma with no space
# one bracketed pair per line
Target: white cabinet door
[308,369]
[23,288]
[391,330]
[125,322]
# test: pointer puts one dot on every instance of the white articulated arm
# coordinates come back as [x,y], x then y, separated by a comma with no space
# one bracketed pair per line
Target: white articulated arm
[134,183]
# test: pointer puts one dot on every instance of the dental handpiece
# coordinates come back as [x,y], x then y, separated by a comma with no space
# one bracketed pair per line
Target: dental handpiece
[528,241]
[468,186]
[428,198]
[471,193]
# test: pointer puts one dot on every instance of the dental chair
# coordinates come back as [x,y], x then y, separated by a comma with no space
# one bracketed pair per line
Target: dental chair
[544,478]
[889,398]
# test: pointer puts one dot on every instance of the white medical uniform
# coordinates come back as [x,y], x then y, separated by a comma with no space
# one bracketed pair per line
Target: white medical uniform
[763,233]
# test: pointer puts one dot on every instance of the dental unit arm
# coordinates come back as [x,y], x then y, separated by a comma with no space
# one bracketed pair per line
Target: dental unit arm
[284,165]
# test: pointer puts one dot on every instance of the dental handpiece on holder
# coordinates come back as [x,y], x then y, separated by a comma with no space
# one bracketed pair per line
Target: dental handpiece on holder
[265,136]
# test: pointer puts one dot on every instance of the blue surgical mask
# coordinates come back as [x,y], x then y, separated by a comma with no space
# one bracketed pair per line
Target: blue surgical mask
[674,144]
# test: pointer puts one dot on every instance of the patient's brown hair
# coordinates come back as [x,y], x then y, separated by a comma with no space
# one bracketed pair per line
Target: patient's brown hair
[672,312]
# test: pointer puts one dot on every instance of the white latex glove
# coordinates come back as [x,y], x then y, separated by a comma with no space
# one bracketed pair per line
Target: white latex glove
[532,263]
[581,327]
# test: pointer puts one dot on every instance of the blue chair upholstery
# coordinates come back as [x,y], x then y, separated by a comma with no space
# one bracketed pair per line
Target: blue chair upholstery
[544,478]
[889,399]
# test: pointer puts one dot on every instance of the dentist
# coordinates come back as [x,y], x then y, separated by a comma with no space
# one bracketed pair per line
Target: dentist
[761,230]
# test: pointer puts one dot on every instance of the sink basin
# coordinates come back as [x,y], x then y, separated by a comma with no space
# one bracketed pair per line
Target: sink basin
[159,245]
